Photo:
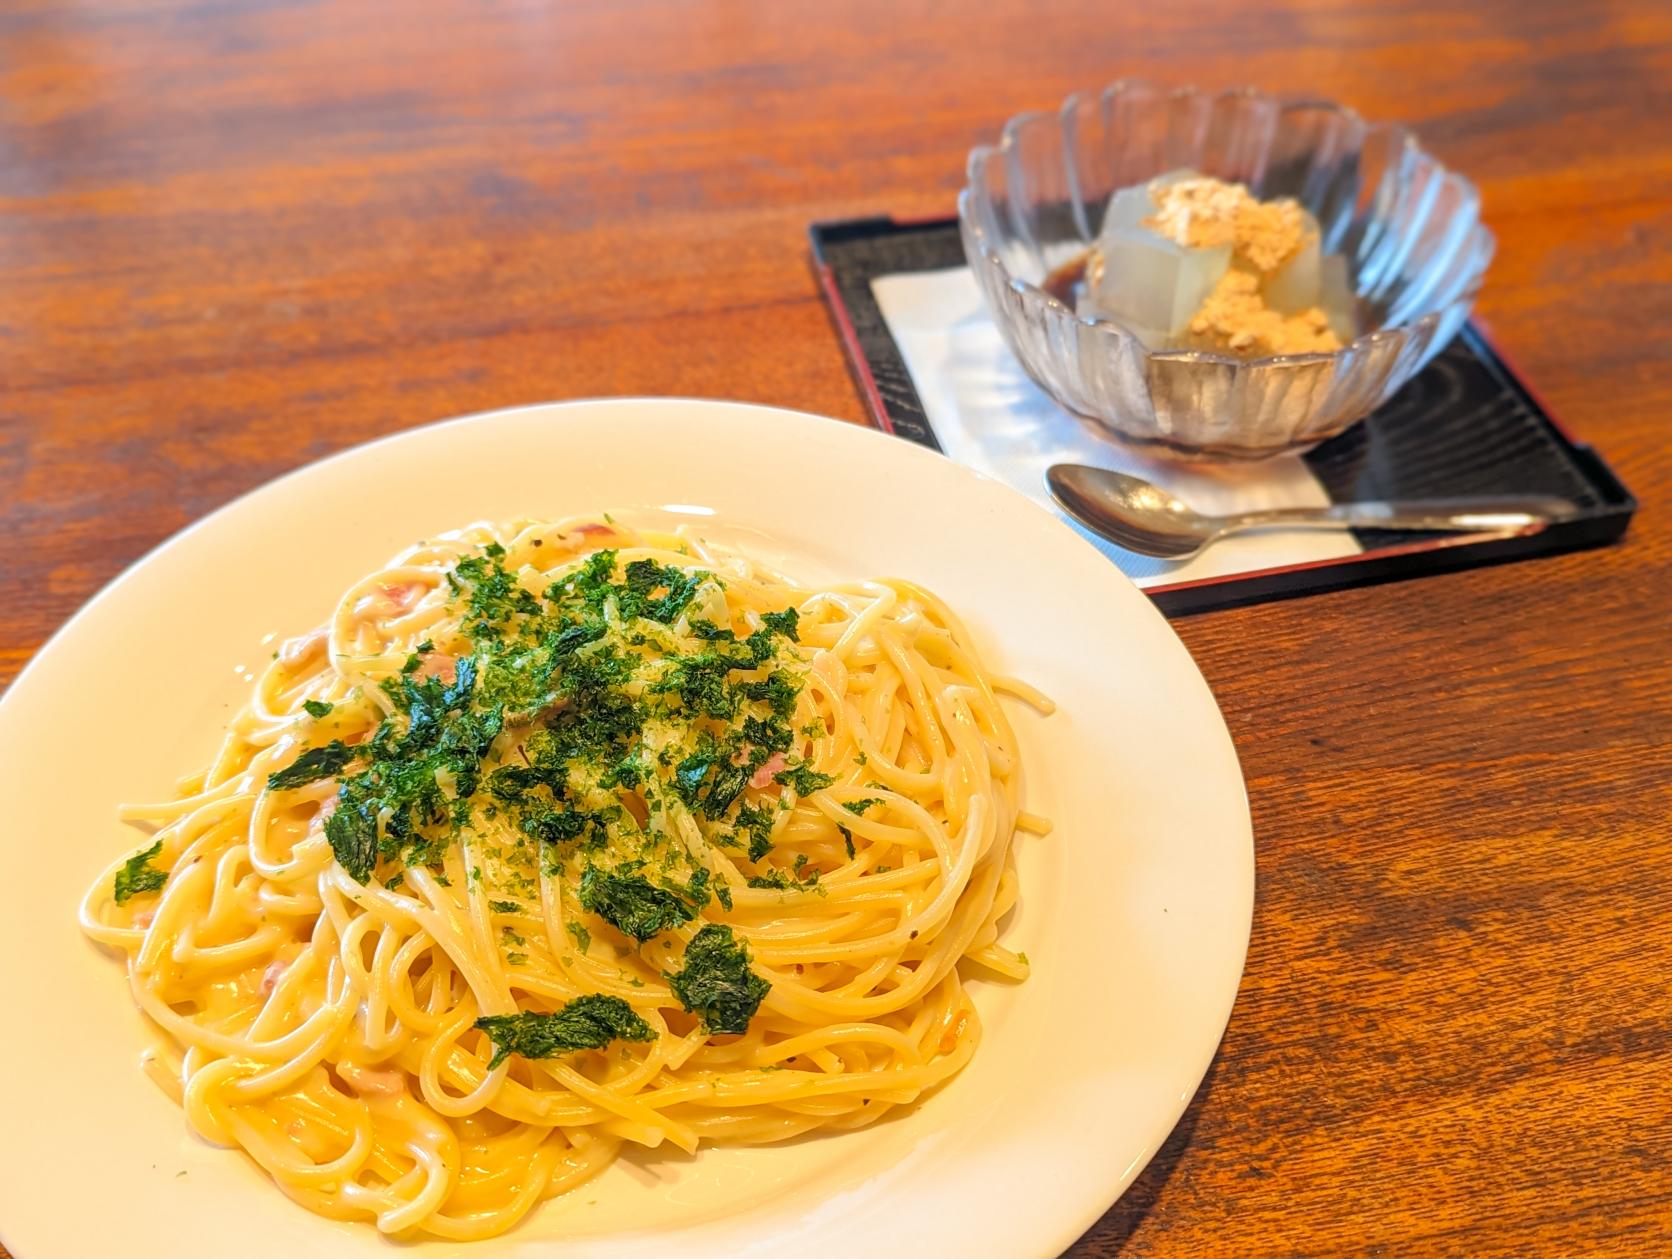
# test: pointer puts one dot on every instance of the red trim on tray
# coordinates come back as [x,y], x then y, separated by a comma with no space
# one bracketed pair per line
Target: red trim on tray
[1484,331]
[923,220]
[1342,561]
[857,358]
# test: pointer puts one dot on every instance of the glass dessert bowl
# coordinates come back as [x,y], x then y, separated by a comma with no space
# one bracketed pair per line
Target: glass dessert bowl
[1060,224]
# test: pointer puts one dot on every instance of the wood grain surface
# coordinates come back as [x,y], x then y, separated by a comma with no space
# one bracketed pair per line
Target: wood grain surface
[235,237]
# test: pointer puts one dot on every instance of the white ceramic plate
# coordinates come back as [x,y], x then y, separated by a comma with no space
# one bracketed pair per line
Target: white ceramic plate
[1135,911]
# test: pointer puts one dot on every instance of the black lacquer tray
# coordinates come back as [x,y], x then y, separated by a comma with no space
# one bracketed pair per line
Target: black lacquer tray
[1465,425]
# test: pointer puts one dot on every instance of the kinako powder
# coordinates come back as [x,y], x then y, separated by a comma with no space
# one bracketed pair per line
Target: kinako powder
[1204,213]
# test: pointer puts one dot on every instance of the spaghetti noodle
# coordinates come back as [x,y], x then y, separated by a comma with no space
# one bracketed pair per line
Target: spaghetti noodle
[562,836]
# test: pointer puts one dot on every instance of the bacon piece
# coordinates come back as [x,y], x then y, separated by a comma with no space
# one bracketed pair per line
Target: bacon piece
[270,976]
[439,664]
[370,1083]
[390,599]
[145,917]
[402,594]
[763,775]
[297,651]
[950,1038]
[634,803]
[582,537]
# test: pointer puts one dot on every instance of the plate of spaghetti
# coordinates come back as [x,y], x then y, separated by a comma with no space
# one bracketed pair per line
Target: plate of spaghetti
[639,826]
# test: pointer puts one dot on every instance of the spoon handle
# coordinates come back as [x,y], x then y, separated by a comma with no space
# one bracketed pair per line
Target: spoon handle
[1476,513]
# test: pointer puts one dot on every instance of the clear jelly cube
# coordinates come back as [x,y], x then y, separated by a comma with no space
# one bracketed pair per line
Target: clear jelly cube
[1294,286]
[1336,298]
[1149,282]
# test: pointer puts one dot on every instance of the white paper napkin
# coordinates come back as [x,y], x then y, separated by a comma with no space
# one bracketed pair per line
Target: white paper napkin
[989,415]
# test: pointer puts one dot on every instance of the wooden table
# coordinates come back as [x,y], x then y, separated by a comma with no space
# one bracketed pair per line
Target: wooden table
[236,237]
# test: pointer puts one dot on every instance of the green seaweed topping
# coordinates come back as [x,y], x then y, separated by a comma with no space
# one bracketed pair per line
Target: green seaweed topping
[312,765]
[139,875]
[590,1022]
[588,728]
[716,982]
[631,904]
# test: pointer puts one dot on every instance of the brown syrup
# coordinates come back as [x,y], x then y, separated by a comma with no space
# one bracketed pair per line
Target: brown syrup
[1067,283]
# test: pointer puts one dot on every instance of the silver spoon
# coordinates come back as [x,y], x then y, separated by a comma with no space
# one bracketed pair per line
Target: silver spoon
[1147,519]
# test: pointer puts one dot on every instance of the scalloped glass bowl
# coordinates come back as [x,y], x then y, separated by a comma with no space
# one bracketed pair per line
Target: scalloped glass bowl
[1410,230]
